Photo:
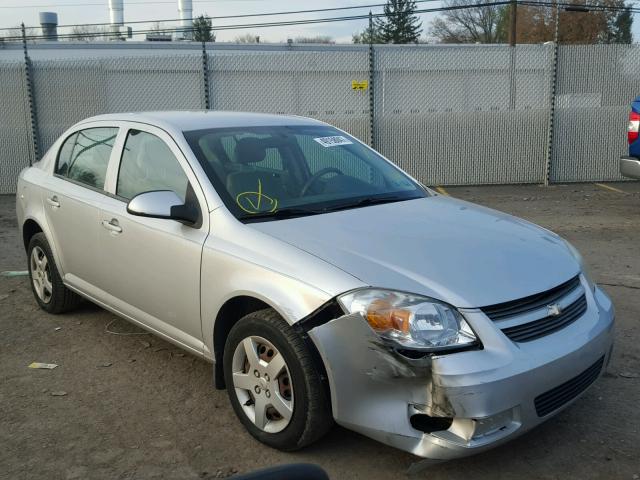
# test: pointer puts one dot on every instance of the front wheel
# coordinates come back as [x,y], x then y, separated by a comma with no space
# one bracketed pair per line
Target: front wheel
[272,383]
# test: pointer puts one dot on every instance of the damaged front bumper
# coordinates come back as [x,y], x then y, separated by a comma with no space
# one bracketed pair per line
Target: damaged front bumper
[458,404]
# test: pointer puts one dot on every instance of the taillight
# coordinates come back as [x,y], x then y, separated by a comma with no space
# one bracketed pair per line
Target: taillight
[634,126]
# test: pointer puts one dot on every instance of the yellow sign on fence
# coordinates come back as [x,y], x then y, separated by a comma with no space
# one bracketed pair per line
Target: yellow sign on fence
[359,85]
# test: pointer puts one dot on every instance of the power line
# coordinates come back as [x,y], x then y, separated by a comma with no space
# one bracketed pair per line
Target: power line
[217,17]
[284,23]
[152,2]
[318,10]
[334,19]
[580,7]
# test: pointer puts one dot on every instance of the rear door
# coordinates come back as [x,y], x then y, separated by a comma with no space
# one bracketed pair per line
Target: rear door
[72,198]
[153,271]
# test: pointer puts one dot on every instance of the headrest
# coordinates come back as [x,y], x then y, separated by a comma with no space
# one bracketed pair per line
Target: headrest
[151,152]
[250,150]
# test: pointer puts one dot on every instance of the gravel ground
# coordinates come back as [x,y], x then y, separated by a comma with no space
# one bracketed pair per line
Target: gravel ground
[134,406]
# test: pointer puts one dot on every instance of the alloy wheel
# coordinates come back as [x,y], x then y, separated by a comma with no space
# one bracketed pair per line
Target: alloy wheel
[41,274]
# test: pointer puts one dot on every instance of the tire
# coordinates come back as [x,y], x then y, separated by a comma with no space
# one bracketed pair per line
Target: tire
[54,297]
[311,416]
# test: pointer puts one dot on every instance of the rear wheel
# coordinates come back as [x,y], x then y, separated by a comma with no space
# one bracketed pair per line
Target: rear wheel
[272,384]
[48,289]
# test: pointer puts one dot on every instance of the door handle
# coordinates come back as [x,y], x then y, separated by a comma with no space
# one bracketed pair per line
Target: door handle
[112,225]
[53,201]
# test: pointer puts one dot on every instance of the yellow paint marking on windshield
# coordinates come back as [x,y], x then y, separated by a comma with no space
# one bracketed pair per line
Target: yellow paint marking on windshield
[253,201]
[259,194]
[609,187]
[442,190]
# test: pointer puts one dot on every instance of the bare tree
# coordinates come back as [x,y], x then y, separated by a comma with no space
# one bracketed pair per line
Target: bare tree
[537,24]
[247,38]
[469,25]
[317,39]
[88,33]
[15,34]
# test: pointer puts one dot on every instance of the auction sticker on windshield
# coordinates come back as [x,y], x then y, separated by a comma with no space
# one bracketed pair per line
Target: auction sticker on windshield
[333,141]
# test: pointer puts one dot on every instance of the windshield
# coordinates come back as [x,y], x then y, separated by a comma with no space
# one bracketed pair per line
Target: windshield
[266,173]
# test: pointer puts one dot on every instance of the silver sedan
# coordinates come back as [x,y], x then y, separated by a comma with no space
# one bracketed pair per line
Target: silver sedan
[322,281]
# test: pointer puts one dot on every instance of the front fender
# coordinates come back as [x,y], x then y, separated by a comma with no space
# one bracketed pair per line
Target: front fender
[238,260]
[225,277]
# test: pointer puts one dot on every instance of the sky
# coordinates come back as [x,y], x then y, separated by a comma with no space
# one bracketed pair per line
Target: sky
[13,12]
[96,11]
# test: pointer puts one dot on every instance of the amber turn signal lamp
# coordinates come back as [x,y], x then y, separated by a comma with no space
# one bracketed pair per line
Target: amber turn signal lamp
[382,317]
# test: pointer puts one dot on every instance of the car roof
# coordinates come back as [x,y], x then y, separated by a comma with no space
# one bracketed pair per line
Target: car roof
[186,120]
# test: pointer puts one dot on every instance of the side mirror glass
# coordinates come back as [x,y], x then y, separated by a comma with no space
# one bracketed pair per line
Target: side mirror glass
[163,204]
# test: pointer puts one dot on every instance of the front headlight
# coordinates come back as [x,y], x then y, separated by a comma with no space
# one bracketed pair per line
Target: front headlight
[412,321]
[585,271]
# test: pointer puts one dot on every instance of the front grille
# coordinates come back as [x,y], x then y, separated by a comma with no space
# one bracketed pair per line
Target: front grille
[545,326]
[502,311]
[558,396]
[539,327]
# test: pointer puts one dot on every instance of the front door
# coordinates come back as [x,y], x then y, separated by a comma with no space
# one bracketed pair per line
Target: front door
[153,271]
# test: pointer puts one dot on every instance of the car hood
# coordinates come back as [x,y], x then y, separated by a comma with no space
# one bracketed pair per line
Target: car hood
[455,251]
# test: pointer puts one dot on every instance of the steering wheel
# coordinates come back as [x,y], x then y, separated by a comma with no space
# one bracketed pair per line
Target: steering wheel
[314,178]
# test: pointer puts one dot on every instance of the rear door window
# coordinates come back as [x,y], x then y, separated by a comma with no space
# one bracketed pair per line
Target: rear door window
[84,156]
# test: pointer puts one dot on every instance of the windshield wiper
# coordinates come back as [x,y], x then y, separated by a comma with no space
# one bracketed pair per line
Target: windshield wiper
[301,212]
[281,214]
[365,202]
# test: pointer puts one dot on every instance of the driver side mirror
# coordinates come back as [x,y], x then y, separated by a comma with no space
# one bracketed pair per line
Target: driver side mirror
[163,204]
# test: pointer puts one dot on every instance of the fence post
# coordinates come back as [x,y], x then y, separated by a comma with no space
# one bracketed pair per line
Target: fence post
[512,77]
[552,103]
[512,54]
[372,141]
[35,140]
[205,76]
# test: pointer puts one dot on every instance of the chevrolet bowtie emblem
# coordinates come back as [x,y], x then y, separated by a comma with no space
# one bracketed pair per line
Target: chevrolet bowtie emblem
[554,310]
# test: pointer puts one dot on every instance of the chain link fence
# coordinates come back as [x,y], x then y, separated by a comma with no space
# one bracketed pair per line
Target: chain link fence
[15,124]
[595,87]
[464,114]
[67,91]
[313,84]
[471,114]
